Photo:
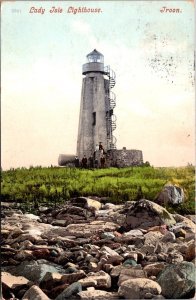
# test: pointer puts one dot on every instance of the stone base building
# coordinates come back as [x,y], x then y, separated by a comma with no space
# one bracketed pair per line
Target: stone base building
[113,158]
[124,158]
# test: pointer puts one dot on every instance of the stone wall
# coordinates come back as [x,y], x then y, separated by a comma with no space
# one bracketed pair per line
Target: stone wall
[114,158]
[124,158]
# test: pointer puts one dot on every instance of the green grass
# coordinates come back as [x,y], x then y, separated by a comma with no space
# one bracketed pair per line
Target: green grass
[55,185]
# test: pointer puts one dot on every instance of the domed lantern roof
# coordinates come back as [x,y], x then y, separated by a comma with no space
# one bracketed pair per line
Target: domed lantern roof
[95,56]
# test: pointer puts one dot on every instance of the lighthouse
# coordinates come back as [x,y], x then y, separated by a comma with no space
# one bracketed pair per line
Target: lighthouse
[97,120]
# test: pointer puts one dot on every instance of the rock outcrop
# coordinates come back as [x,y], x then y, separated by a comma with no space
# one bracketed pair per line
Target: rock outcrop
[87,250]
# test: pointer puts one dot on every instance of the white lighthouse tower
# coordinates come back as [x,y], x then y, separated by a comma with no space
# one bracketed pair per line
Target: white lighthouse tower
[97,121]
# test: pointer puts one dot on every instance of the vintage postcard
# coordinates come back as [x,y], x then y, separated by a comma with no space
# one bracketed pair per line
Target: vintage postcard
[98,149]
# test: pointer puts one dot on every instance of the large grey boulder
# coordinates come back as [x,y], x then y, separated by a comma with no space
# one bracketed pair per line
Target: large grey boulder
[171,194]
[145,214]
[71,290]
[34,270]
[177,280]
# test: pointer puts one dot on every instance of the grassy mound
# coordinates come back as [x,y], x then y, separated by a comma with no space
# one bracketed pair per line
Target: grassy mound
[52,186]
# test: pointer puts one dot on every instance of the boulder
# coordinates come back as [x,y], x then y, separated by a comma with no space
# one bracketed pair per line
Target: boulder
[131,262]
[35,293]
[41,253]
[174,258]
[145,214]
[126,274]
[183,222]
[24,255]
[88,229]
[50,280]
[33,238]
[72,210]
[130,254]
[171,194]
[154,269]
[15,233]
[107,235]
[151,258]
[118,217]
[92,294]
[71,290]
[73,277]
[92,204]
[115,272]
[13,282]
[87,203]
[137,288]
[182,248]
[71,269]
[190,252]
[44,209]
[147,250]
[177,281]
[168,237]
[31,217]
[59,223]
[102,214]
[93,267]
[115,260]
[111,256]
[108,268]
[108,251]
[134,232]
[162,229]
[34,270]
[109,206]
[25,245]
[99,279]
[152,238]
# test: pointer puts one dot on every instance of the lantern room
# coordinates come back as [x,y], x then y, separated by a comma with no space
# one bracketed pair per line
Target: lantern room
[95,63]
[95,57]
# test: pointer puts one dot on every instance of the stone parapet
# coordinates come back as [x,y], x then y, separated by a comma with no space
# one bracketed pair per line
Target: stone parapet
[124,158]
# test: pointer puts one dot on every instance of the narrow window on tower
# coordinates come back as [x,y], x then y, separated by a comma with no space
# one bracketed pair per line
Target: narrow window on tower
[94,118]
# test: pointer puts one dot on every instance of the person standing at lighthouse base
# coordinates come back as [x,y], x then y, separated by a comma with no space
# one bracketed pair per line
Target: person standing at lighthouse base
[84,162]
[102,161]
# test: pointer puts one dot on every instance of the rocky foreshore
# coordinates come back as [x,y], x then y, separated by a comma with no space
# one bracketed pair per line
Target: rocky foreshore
[89,249]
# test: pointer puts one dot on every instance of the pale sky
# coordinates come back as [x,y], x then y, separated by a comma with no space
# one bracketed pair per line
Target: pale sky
[152,54]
